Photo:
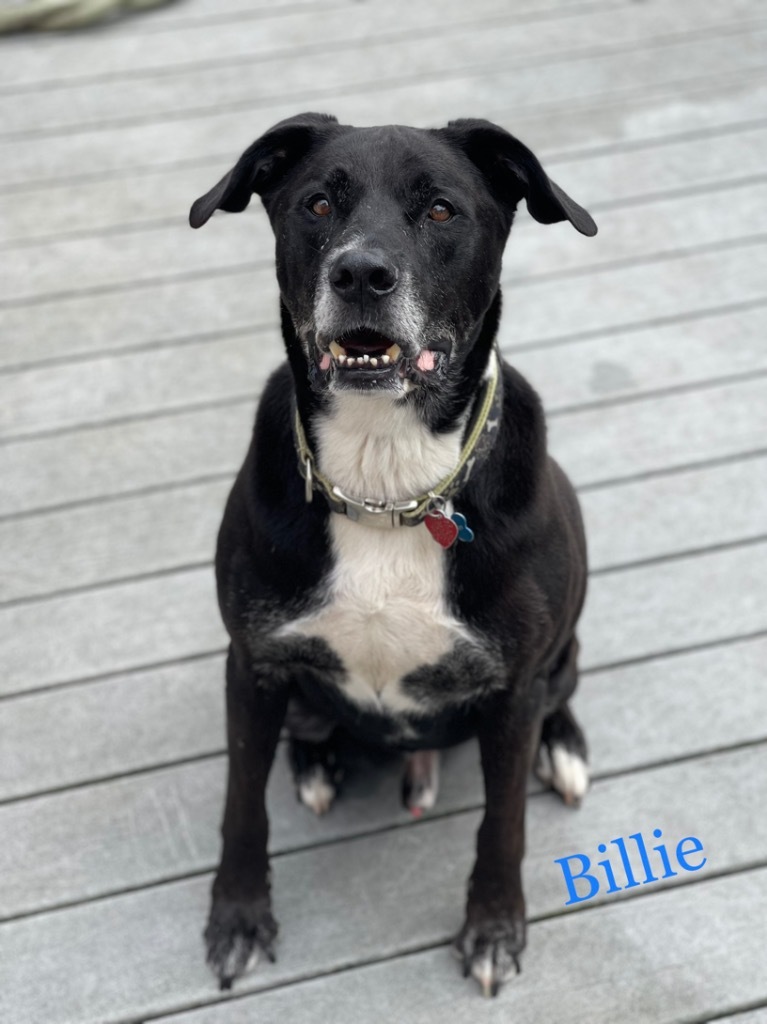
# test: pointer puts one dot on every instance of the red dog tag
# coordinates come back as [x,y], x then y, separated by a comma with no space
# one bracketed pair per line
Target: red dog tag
[442,529]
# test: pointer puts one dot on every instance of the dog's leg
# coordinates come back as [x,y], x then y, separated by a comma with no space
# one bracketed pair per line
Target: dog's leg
[493,934]
[420,781]
[240,926]
[562,760]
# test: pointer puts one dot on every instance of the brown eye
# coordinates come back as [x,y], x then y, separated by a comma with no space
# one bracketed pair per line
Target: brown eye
[441,212]
[319,206]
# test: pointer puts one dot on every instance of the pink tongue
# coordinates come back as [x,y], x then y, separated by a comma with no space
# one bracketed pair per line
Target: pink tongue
[425,360]
[325,361]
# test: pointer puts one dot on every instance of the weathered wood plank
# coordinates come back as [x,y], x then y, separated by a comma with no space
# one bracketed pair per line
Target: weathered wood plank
[288,36]
[624,608]
[624,440]
[588,85]
[171,311]
[628,363]
[683,512]
[133,536]
[138,831]
[256,64]
[337,925]
[633,613]
[594,445]
[660,960]
[120,627]
[128,723]
[155,195]
[127,457]
[176,528]
[68,724]
[653,228]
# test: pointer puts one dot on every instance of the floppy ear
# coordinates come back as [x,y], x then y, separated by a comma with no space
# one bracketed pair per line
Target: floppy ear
[262,165]
[514,173]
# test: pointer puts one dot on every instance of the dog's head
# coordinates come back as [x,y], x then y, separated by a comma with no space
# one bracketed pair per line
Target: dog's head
[389,240]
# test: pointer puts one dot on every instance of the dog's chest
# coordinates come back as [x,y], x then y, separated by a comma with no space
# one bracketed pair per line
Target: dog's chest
[385,611]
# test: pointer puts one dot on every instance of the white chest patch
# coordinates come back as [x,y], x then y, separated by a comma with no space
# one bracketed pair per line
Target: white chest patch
[386,613]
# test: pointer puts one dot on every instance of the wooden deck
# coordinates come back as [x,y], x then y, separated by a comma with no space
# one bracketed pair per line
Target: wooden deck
[132,353]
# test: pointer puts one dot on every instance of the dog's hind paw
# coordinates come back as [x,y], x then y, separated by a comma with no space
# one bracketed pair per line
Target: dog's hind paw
[237,936]
[562,761]
[565,771]
[489,952]
[420,782]
[316,789]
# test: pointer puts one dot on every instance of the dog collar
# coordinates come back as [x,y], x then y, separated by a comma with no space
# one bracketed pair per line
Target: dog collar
[412,511]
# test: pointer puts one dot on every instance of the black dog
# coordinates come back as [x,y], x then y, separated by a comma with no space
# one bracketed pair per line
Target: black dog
[393,430]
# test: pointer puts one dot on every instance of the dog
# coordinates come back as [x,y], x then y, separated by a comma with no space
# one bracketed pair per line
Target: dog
[399,558]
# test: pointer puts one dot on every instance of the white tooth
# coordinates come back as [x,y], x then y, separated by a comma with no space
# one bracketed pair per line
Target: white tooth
[393,351]
[360,361]
[336,349]
[385,360]
[366,357]
[374,362]
[341,360]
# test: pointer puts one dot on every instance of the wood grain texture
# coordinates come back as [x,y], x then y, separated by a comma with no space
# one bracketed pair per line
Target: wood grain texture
[233,68]
[382,896]
[163,824]
[597,178]
[704,63]
[132,354]
[659,959]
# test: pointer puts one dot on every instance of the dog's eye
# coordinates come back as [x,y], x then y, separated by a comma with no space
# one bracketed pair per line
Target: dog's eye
[319,206]
[441,211]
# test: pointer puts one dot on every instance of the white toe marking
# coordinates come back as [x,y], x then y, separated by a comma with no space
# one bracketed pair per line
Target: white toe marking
[316,791]
[570,774]
[423,768]
[482,970]
[426,799]
[253,959]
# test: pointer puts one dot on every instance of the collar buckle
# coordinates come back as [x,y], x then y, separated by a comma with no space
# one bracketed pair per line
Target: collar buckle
[375,513]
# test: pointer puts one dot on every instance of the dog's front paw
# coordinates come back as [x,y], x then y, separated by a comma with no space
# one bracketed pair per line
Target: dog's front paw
[489,948]
[238,934]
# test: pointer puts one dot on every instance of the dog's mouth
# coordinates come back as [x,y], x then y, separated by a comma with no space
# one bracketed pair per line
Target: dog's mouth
[365,356]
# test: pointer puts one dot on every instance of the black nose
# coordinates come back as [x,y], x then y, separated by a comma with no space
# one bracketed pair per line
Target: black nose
[359,273]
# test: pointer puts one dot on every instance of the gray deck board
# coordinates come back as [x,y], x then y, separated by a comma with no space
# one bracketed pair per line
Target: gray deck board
[132,354]
[163,824]
[289,33]
[597,444]
[244,301]
[641,230]
[633,613]
[228,71]
[143,199]
[706,63]
[54,739]
[629,363]
[360,875]
[685,511]
[654,961]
